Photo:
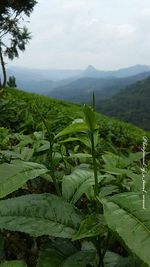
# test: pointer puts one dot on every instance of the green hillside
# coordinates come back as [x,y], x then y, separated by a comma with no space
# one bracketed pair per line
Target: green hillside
[70,186]
[130,104]
[80,90]
[22,111]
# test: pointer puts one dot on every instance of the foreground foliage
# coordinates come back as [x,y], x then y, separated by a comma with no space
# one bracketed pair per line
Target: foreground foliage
[69,196]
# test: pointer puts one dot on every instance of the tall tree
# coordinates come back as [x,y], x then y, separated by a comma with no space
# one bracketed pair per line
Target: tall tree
[13,34]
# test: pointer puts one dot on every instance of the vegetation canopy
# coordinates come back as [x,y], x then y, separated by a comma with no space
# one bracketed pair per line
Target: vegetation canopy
[13,34]
[71,188]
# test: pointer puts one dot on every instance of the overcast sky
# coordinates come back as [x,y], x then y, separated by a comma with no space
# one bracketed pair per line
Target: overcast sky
[72,34]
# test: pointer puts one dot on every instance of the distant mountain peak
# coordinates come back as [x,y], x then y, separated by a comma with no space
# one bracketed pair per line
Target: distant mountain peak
[90,68]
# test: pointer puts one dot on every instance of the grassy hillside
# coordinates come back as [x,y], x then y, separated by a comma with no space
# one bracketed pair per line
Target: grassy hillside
[21,111]
[70,189]
[130,104]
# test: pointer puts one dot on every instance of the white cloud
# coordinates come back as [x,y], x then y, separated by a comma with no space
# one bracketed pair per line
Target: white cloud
[75,33]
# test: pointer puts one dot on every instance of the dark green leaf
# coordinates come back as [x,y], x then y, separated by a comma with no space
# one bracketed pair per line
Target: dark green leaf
[41,214]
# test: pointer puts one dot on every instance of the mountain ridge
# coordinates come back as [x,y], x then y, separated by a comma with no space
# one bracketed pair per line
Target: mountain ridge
[81,90]
[130,104]
[45,81]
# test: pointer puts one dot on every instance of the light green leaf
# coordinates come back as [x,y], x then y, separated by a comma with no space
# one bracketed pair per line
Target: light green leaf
[70,139]
[85,139]
[135,157]
[110,159]
[114,161]
[15,175]
[125,215]
[76,184]
[13,264]
[27,153]
[93,225]
[45,146]
[47,177]
[112,259]
[90,118]
[82,157]
[118,171]
[11,154]
[39,214]
[73,128]
[108,190]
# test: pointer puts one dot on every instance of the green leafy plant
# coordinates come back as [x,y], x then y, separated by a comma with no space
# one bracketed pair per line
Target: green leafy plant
[74,202]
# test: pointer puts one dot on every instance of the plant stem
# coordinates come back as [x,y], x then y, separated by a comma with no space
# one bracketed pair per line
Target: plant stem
[94,165]
[52,169]
[101,263]
[106,245]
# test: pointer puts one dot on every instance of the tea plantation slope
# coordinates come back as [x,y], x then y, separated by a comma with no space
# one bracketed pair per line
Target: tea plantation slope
[21,111]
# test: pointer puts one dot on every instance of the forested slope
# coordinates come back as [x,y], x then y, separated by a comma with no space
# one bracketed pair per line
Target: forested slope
[130,104]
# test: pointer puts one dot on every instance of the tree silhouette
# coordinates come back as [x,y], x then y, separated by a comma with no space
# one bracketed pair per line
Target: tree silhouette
[12,82]
[13,34]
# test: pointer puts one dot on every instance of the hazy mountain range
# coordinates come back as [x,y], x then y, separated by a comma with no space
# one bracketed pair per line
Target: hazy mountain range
[67,84]
[123,93]
[130,104]
[81,90]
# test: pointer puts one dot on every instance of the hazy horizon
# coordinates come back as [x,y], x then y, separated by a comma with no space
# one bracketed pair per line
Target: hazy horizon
[108,34]
[72,69]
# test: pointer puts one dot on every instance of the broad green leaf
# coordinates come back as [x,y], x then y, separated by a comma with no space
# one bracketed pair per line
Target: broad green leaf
[45,146]
[13,264]
[93,225]
[90,118]
[16,174]
[53,254]
[87,245]
[108,190]
[52,258]
[24,141]
[110,159]
[76,184]
[138,183]
[81,259]
[73,128]
[70,139]
[59,257]
[11,154]
[27,153]
[39,135]
[112,259]
[47,177]
[82,157]
[39,214]
[118,171]
[114,161]
[135,156]
[85,139]
[125,215]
